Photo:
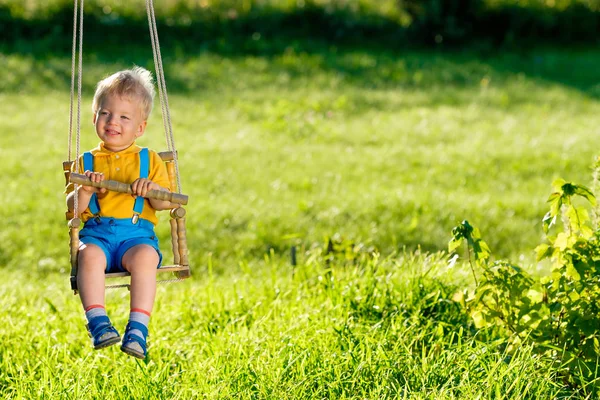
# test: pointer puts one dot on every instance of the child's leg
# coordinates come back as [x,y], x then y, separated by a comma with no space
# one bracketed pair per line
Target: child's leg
[141,261]
[90,282]
[90,275]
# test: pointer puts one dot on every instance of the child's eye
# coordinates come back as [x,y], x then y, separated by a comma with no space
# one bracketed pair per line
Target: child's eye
[103,112]
[124,117]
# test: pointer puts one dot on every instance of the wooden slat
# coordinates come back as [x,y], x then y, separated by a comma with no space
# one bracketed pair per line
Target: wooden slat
[166,155]
[121,187]
[172,175]
[166,268]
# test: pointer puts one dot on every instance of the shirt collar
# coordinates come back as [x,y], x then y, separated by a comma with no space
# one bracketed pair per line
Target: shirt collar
[102,151]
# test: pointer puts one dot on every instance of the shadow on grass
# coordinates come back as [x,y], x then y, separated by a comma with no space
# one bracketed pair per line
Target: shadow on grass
[430,71]
[368,51]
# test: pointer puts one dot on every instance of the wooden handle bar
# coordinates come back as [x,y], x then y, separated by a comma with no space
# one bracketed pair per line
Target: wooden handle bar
[121,187]
[166,155]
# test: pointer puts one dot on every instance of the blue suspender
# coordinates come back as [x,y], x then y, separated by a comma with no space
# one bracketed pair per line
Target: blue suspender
[138,206]
[88,165]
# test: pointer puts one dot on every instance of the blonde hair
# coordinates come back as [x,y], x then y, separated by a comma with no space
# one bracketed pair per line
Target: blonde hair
[136,82]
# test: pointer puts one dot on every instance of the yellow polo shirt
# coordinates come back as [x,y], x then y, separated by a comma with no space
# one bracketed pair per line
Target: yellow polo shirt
[123,166]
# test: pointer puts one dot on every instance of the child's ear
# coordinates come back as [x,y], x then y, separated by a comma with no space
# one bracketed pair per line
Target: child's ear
[141,129]
[94,118]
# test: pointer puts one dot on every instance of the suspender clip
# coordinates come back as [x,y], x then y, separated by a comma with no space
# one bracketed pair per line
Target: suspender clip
[135,218]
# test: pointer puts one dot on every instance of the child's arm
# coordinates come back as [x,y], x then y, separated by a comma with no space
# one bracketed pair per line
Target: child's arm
[141,186]
[85,193]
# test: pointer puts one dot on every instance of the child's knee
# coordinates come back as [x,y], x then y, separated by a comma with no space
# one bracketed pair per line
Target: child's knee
[141,254]
[91,255]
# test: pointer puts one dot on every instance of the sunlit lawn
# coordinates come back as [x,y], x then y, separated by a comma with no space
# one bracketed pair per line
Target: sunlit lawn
[390,150]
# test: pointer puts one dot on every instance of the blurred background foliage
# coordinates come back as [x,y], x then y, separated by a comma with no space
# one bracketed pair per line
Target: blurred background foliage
[391,23]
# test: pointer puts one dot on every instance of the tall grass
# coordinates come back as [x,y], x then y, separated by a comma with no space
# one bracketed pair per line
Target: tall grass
[360,330]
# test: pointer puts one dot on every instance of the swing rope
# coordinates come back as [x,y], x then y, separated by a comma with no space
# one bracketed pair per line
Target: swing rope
[79,74]
[162,88]
[73,52]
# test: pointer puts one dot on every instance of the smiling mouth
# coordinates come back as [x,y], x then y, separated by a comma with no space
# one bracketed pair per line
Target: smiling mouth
[111,132]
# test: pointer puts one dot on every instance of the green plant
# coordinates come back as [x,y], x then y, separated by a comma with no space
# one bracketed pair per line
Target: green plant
[501,297]
[572,291]
[558,314]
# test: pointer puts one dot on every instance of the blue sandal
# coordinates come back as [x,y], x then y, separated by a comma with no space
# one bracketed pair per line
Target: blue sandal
[135,345]
[103,334]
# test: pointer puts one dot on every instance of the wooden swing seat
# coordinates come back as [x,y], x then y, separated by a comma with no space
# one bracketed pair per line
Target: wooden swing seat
[176,269]
[180,272]
[180,268]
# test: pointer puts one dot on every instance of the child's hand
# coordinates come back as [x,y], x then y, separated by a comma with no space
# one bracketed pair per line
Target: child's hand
[141,186]
[94,177]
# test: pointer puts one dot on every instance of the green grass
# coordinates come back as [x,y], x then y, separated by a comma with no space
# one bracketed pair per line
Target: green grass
[362,331]
[388,150]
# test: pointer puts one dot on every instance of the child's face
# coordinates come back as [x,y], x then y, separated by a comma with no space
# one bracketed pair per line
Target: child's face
[119,122]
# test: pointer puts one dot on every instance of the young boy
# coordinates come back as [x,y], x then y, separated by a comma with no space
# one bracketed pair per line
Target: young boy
[118,232]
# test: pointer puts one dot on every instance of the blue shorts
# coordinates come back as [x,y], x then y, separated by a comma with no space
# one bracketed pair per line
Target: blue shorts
[115,236]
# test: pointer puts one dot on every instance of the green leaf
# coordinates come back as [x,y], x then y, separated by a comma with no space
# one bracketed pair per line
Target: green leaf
[568,189]
[555,200]
[548,220]
[468,228]
[459,297]
[578,216]
[585,192]
[475,234]
[454,244]
[478,319]
[572,273]
[574,296]
[481,292]
[558,184]
[543,251]
[545,279]
[586,326]
[587,232]
[481,249]
[562,241]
